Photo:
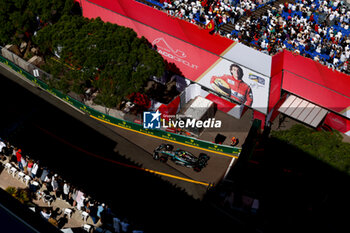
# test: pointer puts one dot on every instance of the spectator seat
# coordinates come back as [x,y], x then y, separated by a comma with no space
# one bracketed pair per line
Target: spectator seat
[68,212]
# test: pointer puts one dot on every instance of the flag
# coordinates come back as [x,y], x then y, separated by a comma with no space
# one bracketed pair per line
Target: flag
[211,25]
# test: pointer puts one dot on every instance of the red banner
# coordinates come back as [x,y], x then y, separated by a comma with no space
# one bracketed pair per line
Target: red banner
[338,123]
[159,20]
[316,83]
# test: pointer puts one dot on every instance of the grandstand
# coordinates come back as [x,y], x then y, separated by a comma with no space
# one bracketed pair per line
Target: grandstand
[265,25]
[196,36]
[235,24]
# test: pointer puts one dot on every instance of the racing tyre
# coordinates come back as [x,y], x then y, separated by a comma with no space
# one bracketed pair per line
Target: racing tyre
[203,160]
[169,147]
[203,156]
[155,156]
[163,159]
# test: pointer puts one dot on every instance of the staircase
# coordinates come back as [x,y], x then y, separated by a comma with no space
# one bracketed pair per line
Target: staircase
[229,27]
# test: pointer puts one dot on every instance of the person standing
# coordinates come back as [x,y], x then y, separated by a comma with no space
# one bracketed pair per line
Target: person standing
[93,212]
[100,210]
[30,167]
[44,174]
[2,146]
[54,184]
[66,188]
[34,170]
[116,224]
[124,225]
[234,141]
[24,161]
[19,158]
[7,151]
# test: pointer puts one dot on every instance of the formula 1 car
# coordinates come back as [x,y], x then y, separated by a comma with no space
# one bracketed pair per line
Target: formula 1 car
[181,157]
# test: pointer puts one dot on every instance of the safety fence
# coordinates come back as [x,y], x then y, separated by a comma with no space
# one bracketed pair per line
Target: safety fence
[168,136]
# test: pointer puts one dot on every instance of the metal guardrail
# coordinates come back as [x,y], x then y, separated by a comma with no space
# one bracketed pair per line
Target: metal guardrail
[25,65]
[29,72]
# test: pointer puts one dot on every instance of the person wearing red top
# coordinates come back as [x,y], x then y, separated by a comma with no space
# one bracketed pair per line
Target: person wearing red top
[233,86]
[29,167]
[19,157]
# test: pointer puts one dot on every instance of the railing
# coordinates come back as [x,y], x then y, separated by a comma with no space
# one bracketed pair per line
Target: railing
[15,63]
[20,62]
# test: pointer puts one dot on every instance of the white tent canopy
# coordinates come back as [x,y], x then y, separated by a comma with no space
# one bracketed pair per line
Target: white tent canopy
[303,110]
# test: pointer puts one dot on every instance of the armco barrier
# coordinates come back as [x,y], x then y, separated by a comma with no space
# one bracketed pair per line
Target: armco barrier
[122,123]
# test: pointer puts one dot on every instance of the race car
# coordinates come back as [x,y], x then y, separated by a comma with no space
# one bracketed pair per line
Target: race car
[180,157]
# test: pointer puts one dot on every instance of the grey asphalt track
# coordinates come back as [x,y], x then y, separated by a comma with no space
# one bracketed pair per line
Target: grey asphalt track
[138,147]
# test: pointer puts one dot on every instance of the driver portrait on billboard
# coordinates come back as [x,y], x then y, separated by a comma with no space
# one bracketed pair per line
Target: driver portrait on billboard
[233,86]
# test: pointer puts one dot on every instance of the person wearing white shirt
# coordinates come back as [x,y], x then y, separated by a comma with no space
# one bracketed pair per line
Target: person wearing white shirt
[342,57]
[2,145]
[335,61]
[46,214]
[34,169]
[24,163]
[66,188]
[194,10]
[347,53]
[343,10]
[237,27]
[339,35]
[54,183]
[318,49]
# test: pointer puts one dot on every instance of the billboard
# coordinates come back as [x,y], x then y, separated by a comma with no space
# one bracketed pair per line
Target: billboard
[238,83]
[338,122]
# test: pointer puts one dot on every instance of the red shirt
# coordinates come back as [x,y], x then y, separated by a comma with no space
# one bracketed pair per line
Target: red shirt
[237,90]
[18,155]
[30,165]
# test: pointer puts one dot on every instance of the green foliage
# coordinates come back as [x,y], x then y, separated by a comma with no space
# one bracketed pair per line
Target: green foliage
[107,56]
[50,11]
[20,194]
[11,190]
[110,57]
[18,18]
[15,19]
[325,146]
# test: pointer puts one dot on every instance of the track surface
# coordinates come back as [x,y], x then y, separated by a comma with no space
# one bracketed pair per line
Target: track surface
[138,148]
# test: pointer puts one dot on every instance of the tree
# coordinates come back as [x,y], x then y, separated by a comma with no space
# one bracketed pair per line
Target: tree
[23,195]
[325,146]
[16,21]
[20,19]
[110,57]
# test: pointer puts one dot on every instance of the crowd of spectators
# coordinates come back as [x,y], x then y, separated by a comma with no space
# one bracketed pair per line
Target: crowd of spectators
[318,29]
[203,11]
[313,28]
[50,186]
